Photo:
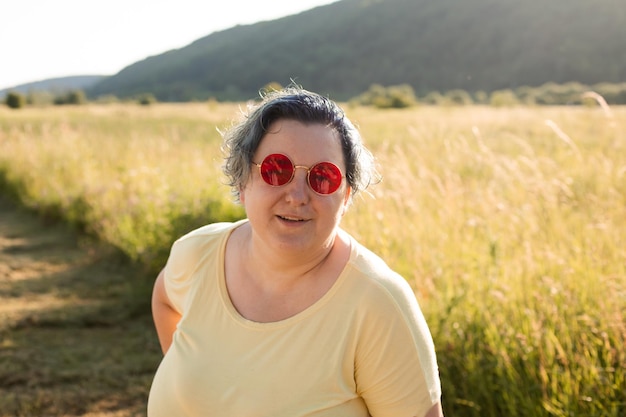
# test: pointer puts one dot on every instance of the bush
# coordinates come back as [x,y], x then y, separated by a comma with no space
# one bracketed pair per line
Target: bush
[481,97]
[434,97]
[503,98]
[39,98]
[398,96]
[612,93]
[459,97]
[107,99]
[15,100]
[557,94]
[146,99]
[526,95]
[72,97]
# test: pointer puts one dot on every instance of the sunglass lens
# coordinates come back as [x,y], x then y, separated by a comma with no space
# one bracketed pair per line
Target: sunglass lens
[276,169]
[325,178]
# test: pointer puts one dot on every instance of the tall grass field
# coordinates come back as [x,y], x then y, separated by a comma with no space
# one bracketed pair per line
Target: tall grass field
[510,223]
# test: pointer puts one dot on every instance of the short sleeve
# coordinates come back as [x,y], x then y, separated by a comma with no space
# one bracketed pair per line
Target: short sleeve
[396,367]
[188,256]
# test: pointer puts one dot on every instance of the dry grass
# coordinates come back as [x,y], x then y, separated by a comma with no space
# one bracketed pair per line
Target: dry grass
[75,333]
[510,224]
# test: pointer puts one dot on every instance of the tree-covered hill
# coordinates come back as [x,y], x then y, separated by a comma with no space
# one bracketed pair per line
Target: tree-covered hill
[433,45]
[56,85]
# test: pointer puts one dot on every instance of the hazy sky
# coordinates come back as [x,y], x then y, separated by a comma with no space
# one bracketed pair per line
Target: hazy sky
[42,39]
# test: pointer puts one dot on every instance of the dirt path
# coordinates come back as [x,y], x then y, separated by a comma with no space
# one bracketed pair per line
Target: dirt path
[76,338]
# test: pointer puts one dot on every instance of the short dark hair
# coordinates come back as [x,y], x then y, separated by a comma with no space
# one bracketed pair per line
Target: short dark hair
[242,140]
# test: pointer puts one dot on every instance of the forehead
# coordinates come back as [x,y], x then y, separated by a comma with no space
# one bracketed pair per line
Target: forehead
[304,143]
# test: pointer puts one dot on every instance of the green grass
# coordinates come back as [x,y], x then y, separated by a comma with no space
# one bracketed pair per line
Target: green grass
[509,223]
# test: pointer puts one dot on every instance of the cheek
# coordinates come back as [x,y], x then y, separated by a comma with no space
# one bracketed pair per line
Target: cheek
[340,205]
[346,201]
[244,189]
[251,194]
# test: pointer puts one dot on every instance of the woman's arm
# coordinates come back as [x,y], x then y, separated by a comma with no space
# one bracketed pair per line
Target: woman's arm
[164,315]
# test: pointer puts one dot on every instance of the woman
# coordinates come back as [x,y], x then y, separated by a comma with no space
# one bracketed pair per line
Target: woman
[284,313]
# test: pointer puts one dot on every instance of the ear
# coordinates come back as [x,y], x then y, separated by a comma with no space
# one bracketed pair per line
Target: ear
[242,195]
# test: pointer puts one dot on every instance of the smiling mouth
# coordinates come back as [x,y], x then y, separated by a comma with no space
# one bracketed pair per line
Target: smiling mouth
[291,219]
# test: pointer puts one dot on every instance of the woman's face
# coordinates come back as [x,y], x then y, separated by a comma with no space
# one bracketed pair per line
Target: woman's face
[292,218]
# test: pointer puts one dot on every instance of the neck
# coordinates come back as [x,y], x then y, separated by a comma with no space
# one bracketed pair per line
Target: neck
[284,269]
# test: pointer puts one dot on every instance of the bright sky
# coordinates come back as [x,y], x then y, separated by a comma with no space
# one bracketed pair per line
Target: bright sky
[41,39]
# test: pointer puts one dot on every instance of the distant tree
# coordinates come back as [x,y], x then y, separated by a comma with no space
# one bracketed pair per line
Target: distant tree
[146,99]
[503,98]
[71,97]
[397,96]
[107,99]
[558,94]
[612,93]
[39,98]
[369,97]
[526,95]
[434,97]
[15,100]
[459,97]
[401,96]
[481,97]
[76,97]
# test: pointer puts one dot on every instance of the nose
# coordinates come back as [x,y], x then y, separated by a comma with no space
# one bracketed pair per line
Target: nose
[297,191]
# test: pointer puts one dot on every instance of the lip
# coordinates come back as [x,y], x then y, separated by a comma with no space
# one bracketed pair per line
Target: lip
[291,219]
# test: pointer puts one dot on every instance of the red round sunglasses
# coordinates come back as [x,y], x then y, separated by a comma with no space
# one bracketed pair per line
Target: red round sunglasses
[277,169]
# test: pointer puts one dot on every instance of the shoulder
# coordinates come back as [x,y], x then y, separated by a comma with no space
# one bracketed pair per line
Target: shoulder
[208,232]
[394,340]
[378,279]
[384,299]
[191,253]
[196,243]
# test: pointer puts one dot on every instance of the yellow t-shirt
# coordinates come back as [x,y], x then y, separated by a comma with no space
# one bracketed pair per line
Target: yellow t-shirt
[363,349]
